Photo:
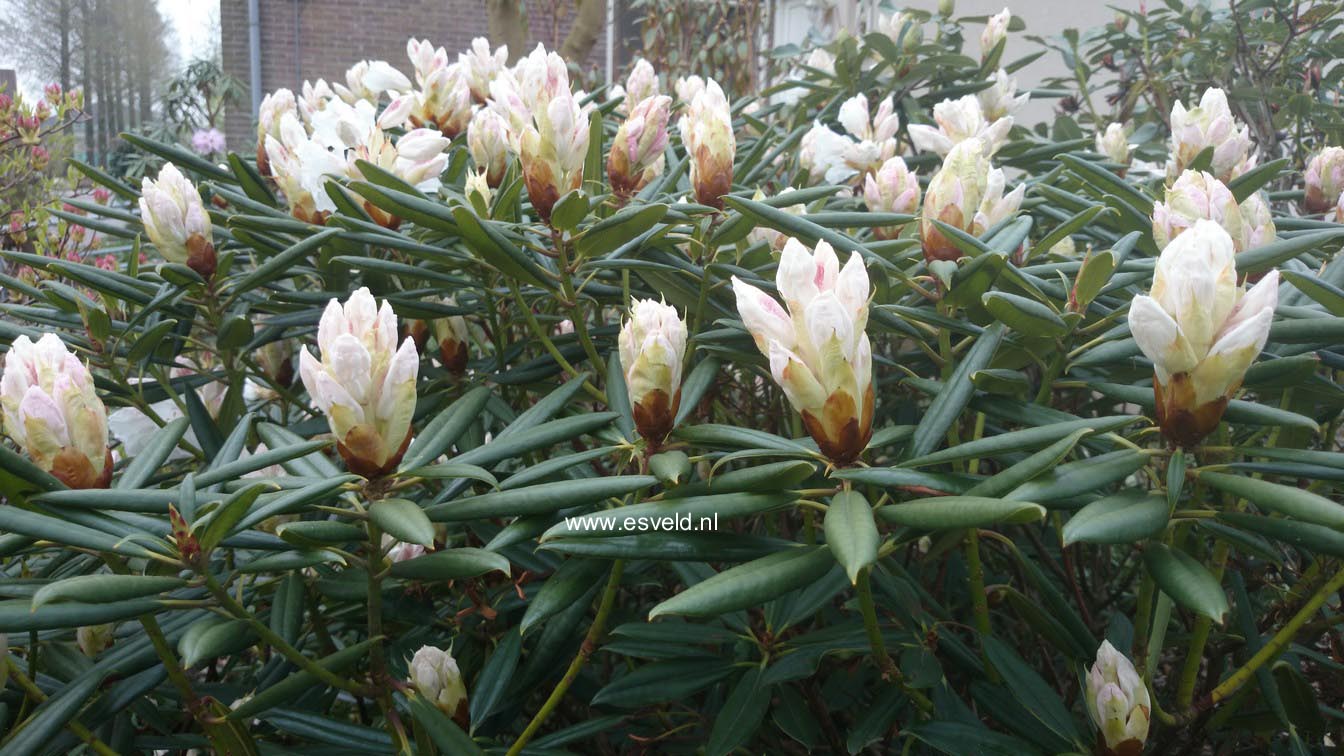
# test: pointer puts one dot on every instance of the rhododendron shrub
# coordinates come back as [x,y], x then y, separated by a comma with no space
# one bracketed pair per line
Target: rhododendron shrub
[468,412]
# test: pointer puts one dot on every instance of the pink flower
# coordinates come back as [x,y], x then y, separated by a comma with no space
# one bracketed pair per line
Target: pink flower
[208,141]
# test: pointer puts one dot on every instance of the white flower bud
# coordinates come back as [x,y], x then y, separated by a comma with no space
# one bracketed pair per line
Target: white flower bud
[1209,125]
[363,383]
[1117,699]
[959,120]
[176,220]
[996,30]
[1200,330]
[818,350]
[1114,143]
[435,676]
[1324,179]
[707,133]
[53,412]
[652,347]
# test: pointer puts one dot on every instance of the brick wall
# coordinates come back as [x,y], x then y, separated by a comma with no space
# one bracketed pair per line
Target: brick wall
[312,39]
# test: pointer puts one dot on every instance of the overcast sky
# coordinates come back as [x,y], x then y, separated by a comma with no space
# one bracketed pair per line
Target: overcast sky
[196,23]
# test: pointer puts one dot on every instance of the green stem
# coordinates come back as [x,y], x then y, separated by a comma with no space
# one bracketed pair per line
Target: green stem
[1279,642]
[572,297]
[890,672]
[585,650]
[979,602]
[1199,638]
[273,640]
[549,345]
[35,693]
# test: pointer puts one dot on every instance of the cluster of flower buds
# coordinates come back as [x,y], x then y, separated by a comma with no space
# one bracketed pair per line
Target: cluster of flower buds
[1200,330]
[1211,125]
[176,221]
[1198,195]
[330,141]
[707,132]
[868,141]
[966,193]
[995,32]
[552,128]
[640,85]
[273,106]
[52,412]
[636,156]
[435,677]
[1114,144]
[480,65]
[894,188]
[818,350]
[1324,179]
[1117,700]
[652,347]
[959,120]
[1001,99]
[369,79]
[363,383]
[443,100]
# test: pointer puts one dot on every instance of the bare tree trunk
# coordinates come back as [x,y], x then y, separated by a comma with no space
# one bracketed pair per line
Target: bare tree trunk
[65,44]
[507,22]
[589,23]
[86,76]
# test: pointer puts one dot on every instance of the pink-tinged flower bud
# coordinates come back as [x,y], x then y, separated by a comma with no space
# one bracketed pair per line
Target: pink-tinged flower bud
[369,79]
[893,189]
[52,92]
[363,383]
[481,66]
[839,158]
[273,106]
[1209,125]
[1114,143]
[707,133]
[1118,701]
[959,120]
[1200,330]
[94,639]
[453,338]
[818,350]
[640,85]
[443,102]
[1197,195]
[435,676]
[53,413]
[954,197]
[176,221]
[1001,99]
[418,157]
[1324,179]
[552,150]
[996,31]
[652,346]
[425,58]
[636,156]
[488,143]
[688,88]
[769,236]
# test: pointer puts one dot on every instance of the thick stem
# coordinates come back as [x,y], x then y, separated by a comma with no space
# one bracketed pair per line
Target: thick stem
[1199,638]
[585,650]
[890,672]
